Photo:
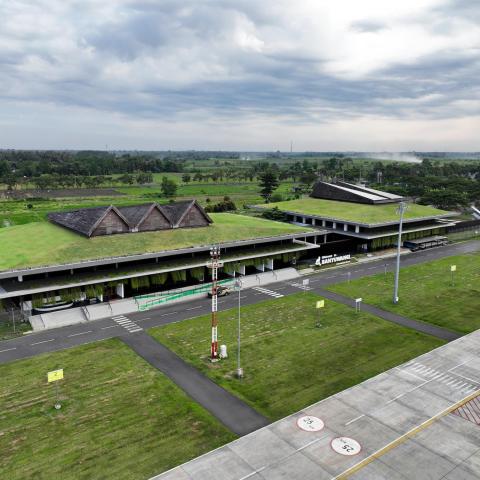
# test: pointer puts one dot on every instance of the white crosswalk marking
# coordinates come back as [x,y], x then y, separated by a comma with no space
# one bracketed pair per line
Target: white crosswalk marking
[126,323]
[449,378]
[268,292]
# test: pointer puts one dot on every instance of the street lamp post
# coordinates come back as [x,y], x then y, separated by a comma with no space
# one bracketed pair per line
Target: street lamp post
[402,207]
[238,284]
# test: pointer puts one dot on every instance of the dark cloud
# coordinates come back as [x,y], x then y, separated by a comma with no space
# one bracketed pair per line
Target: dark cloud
[368,26]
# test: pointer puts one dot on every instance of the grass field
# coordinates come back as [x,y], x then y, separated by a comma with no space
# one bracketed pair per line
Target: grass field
[43,243]
[120,418]
[288,362]
[426,292]
[370,214]
[19,212]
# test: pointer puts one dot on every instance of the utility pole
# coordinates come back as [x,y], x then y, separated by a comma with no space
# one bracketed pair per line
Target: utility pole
[238,284]
[402,207]
[214,265]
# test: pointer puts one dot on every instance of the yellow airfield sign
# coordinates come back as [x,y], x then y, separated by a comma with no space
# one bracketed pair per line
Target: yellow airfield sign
[453,268]
[55,375]
[320,303]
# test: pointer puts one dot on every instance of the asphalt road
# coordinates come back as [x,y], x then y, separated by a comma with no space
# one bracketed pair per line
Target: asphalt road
[235,414]
[422,327]
[68,337]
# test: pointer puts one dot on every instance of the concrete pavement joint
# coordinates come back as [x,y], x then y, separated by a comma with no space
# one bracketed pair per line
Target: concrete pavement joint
[406,436]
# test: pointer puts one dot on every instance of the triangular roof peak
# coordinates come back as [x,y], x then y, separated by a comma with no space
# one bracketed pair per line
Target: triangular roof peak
[111,208]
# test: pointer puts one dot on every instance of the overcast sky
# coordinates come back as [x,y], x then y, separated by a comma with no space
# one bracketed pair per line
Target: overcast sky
[365,75]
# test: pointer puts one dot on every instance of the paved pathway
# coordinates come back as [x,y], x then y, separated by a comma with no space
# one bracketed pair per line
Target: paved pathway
[422,327]
[229,409]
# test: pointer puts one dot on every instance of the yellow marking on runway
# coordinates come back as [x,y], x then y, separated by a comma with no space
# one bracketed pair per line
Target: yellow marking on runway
[398,441]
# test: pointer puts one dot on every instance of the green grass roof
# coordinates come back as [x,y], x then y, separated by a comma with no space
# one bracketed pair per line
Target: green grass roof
[354,212]
[42,243]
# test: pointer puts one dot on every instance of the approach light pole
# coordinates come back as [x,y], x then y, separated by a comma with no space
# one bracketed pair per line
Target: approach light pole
[214,264]
[238,285]
[402,207]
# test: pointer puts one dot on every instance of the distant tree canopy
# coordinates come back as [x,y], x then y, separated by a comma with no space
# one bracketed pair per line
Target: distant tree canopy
[435,180]
[224,206]
[268,183]
[168,187]
[88,163]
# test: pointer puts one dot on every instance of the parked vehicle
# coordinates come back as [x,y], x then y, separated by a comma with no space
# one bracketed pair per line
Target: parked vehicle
[221,292]
[424,243]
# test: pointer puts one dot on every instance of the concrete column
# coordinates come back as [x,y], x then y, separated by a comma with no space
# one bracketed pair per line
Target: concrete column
[334,225]
[345,227]
[20,278]
[120,289]
[314,222]
[260,268]
[304,220]
[325,238]
[269,264]
[357,228]
[241,269]
[324,223]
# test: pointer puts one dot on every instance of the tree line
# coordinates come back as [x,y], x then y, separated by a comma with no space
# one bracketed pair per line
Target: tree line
[445,184]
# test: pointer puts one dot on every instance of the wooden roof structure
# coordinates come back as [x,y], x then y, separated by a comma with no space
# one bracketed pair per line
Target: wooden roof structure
[87,220]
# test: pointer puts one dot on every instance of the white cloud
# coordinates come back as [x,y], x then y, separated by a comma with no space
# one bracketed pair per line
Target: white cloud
[312,67]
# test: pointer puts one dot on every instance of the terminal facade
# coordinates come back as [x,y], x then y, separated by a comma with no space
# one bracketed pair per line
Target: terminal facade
[365,236]
[328,237]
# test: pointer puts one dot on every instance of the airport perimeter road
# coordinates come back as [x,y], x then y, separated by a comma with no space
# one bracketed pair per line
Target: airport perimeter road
[68,337]
[234,413]
[423,327]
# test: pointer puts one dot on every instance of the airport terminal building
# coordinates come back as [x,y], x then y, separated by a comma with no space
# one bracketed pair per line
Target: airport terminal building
[107,253]
[362,219]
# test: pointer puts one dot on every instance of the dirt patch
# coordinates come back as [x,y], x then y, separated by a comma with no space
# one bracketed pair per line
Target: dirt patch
[60,193]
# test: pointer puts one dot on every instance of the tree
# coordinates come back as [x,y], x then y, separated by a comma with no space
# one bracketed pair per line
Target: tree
[186,178]
[169,187]
[268,183]
[126,178]
[275,214]
[226,206]
[143,178]
[90,182]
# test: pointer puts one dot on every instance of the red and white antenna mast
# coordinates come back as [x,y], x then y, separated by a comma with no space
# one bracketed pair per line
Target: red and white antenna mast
[214,265]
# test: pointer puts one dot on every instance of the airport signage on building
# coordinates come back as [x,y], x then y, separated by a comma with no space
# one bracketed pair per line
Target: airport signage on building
[326,259]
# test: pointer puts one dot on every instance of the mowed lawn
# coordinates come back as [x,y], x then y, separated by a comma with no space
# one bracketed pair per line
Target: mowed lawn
[42,243]
[426,292]
[120,418]
[289,363]
[354,212]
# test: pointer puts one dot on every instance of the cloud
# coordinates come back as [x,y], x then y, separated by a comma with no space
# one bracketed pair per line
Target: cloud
[281,64]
